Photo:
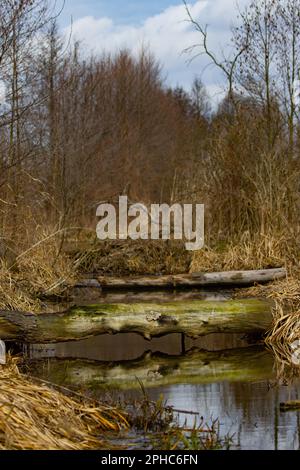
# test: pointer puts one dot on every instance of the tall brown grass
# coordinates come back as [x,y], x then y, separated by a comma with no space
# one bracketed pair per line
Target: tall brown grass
[258,251]
[36,417]
[36,266]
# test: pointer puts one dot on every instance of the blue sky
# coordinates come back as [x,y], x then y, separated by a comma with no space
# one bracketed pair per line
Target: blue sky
[109,25]
[124,11]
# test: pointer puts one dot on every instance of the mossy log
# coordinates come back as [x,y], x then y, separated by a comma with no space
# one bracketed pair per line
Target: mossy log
[156,369]
[230,278]
[194,319]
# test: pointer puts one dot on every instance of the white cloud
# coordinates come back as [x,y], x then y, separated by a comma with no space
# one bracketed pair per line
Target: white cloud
[2,92]
[167,34]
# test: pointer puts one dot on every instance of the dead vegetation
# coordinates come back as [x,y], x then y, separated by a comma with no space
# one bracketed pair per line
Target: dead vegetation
[133,257]
[14,294]
[248,252]
[40,268]
[262,252]
[36,417]
[201,437]
[284,336]
[155,144]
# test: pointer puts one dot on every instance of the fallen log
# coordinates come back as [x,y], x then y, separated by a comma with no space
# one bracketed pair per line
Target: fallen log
[157,370]
[292,405]
[194,319]
[230,278]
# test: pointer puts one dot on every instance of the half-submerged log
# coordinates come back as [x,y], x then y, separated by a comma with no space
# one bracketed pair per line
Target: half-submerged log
[194,319]
[230,278]
[157,370]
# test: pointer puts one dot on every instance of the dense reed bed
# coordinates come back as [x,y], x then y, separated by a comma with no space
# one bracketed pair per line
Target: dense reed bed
[36,417]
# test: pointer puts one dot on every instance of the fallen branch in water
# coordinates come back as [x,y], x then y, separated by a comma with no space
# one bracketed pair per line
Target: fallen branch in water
[193,318]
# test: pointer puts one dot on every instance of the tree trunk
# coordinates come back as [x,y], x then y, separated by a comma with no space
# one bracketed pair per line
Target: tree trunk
[230,278]
[194,318]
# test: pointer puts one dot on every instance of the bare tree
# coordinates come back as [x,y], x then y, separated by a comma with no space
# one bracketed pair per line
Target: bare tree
[288,63]
[227,65]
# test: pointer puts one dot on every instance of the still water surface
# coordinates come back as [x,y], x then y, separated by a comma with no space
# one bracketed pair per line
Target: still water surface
[242,393]
[218,376]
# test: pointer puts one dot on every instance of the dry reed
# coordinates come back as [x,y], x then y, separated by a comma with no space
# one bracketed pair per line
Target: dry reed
[246,253]
[36,417]
[285,332]
[15,291]
[40,268]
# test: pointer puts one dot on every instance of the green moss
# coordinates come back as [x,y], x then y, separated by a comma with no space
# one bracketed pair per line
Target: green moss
[228,306]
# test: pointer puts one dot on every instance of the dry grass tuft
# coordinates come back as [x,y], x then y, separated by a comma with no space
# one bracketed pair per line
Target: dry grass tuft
[284,291]
[286,328]
[15,291]
[285,294]
[40,268]
[246,253]
[286,369]
[36,417]
[285,333]
[47,268]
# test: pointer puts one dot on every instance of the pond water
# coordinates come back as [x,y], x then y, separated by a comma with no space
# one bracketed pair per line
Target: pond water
[218,376]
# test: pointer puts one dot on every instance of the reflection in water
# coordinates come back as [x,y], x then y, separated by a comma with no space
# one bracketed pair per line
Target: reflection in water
[88,296]
[250,411]
[246,405]
[231,382]
[154,295]
[130,346]
[157,369]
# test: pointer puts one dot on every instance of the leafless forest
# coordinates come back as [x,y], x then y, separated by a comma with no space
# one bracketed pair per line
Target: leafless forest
[77,129]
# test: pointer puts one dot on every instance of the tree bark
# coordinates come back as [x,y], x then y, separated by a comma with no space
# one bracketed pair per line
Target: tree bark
[194,319]
[230,278]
